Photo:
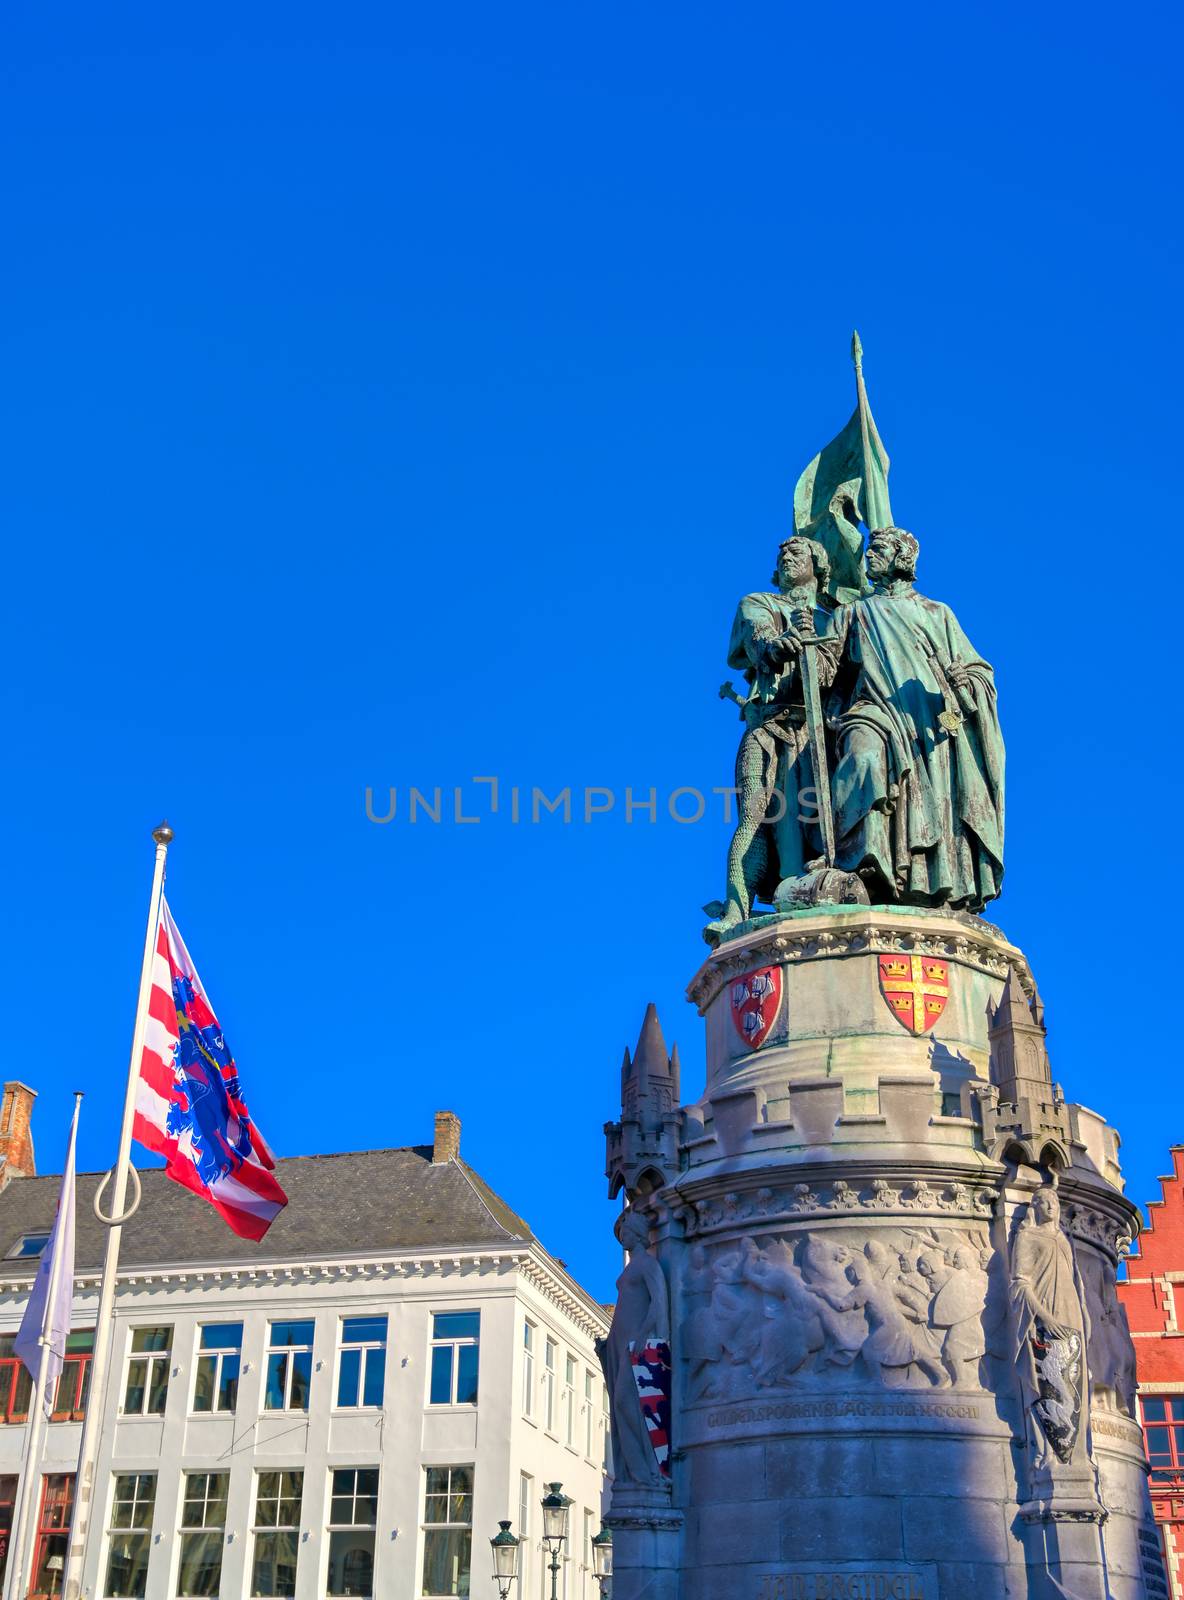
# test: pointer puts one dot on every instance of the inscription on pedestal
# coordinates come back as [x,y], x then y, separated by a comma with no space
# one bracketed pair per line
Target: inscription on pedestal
[862,1583]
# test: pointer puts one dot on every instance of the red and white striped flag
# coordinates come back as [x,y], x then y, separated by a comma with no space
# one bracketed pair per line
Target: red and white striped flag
[189,1102]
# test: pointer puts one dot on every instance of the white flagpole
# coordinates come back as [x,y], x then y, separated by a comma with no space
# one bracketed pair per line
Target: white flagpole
[84,1485]
[18,1555]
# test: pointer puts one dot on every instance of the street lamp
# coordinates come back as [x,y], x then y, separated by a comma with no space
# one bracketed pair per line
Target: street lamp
[555,1508]
[505,1559]
[602,1557]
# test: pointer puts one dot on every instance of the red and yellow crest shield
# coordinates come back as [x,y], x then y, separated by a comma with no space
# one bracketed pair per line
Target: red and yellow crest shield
[755,999]
[916,988]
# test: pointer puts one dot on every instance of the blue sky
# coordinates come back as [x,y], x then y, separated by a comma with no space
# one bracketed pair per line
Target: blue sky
[393,395]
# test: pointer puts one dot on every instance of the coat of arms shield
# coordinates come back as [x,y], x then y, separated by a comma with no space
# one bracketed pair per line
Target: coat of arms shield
[756,997]
[916,989]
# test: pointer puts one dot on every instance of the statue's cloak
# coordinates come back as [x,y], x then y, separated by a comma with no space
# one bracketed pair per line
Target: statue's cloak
[923,805]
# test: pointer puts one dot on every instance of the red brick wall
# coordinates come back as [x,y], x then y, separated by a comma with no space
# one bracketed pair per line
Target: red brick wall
[1153,1295]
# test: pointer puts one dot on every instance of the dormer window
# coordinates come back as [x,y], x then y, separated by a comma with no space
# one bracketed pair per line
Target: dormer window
[29,1244]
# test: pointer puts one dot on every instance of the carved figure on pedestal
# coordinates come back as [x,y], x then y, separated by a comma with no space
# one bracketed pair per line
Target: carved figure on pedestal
[824,1270]
[1050,1328]
[641,1321]
[1109,1350]
[792,1328]
[702,1346]
[960,1295]
[899,1338]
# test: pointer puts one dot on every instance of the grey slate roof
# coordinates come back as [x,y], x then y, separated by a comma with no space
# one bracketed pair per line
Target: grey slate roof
[360,1202]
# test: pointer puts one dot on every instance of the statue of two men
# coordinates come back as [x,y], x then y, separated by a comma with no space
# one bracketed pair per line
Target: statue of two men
[912,744]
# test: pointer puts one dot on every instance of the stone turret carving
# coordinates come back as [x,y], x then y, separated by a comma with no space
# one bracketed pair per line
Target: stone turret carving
[643,1146]
[1024,1112]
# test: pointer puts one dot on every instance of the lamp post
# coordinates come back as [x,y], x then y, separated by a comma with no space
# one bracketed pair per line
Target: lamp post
[555,1508]
[505,1559]
[602,1559]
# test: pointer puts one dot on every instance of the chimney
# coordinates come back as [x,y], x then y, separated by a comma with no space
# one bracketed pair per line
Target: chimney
[16,1135]
[447,1144]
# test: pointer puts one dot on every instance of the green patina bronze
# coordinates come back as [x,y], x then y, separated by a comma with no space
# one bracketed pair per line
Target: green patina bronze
[844,485]
[910,741]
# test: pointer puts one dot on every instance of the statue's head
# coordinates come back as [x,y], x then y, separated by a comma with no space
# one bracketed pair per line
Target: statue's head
[891,553]
[801,564]
[632,1229]
[1045,1206]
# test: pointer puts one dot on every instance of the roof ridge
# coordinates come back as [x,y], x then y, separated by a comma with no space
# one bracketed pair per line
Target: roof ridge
[476,1183]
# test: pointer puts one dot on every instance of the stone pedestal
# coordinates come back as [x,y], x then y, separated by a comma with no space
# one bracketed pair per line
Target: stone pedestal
[836,1219]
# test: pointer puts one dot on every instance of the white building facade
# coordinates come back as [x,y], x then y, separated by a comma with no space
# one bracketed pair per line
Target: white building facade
[293,1419]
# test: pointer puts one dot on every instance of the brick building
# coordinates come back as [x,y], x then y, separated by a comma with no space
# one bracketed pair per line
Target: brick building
[1155,1277]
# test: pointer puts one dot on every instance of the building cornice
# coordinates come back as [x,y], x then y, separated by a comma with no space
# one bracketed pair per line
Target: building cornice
[525,1259]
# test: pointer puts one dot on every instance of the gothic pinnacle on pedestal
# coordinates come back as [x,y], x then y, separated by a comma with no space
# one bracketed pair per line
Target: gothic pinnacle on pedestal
[643,1146]
[1026,1113]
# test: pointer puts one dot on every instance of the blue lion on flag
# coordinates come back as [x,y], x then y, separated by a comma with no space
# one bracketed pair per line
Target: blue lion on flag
[207,1117]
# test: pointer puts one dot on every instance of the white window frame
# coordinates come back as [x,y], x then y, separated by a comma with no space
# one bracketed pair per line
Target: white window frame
[456,1345]
[550,1375]
[427,1527]
[274,1527]
[202,1527]
[290,1351]
[530,1330]
[151,1359]
[217,1355]
[332,1527]
[589,1415]
[122,1530]
[570,1368]
[364,1346]
[525,1510]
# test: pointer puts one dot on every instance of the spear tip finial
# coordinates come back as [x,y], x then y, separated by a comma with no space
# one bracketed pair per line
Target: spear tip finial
[856,350]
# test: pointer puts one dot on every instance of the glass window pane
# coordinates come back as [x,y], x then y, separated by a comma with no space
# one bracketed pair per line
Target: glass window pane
[274,1572]
[201,1564]
[127,1566]
[437,1481]
[344,1479]
[1154,1410]
[277,1367]
[441,1390]
[301,1380]
[347,1377]
[152,1338]
[341,1509]
[158,1387]
[222,1336]
[203,1386]
[446,1561]
[133,1399]
[228,1387]
[81,1342]
[351,1563]
[375,1370]
[456,1325]
[466,1378]
[290,1333]
[461,1480]
[363,1330]
[1178,1436]
[367,1480]
[1158,1448]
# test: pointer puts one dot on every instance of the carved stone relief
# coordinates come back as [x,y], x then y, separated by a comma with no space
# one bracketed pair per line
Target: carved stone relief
[1110,1352]
[906,1308]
